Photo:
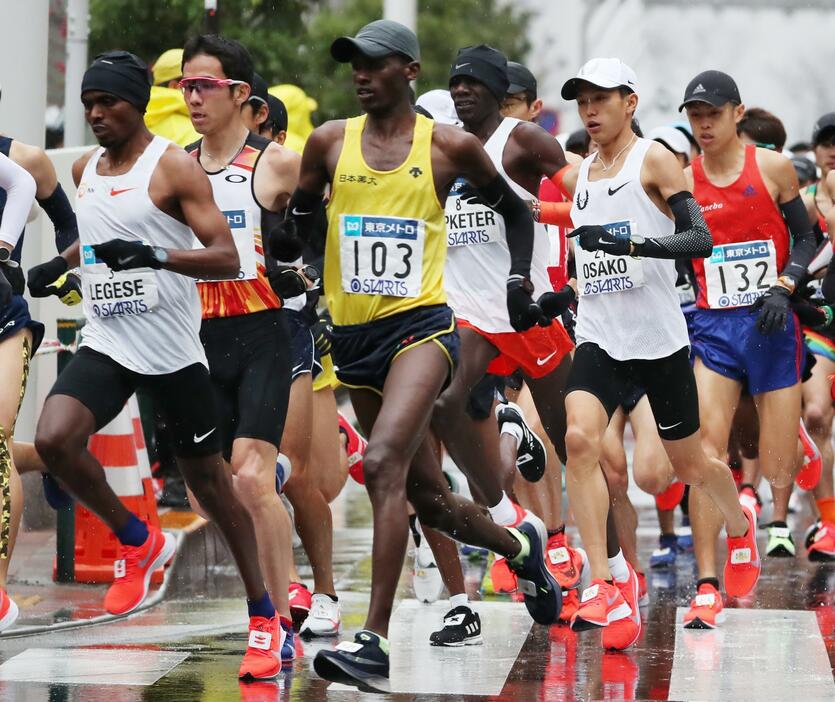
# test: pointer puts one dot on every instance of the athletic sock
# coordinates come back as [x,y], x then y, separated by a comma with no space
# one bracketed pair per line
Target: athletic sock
[826,506]
[668,541]
[515,431]
[262,607]
[524,545]
[503,513]
[778,523]
[459,600]
[707,581]
[134,533]
[333,598]
[618,568]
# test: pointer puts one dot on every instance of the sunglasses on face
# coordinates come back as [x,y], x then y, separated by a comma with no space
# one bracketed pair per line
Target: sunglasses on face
[205,84]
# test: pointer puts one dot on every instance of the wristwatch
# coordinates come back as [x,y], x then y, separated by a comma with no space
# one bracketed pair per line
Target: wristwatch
[5,255]
[635,240]
[160,256]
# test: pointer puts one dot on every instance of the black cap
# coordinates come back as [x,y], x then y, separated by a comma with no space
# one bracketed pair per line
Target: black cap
[376,40]
[521,79]
[805,169]
[484,64]
[278,113]
[258,89]
[824,124]
[713,87]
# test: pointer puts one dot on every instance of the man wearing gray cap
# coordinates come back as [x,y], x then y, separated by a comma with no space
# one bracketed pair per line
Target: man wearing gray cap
[394,338]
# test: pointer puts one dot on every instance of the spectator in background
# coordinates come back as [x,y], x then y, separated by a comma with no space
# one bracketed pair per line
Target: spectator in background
[275,127]
[762,128]
[255,111]
[299,108]
[578,143]
[167,114]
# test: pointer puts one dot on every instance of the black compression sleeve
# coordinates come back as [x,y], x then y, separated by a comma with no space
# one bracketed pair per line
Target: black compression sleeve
[58,209]
[518,223]
[691,239]
[803,238]
[304,209]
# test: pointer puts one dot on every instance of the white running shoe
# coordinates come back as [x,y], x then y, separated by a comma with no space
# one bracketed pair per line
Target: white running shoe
[325,618]
[427,581]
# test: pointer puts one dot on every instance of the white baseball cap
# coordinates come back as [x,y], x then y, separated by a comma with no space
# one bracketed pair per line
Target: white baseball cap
[439,104]
[604,73]
[672,138]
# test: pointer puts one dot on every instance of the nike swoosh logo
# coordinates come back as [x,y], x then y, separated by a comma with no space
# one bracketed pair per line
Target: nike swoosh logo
[123,261]
[114,192]
[295,368]
[198,439]
[300,214]
[543,361]
[603,242]
[142,564]
[672,426]
[460,65]
[612,192]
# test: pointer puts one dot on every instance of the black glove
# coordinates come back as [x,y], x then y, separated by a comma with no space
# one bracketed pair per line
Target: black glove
[284,241]
[811,315]
[524,312]
[323,333]
[593,237]
[121,255]
[41,277]
[471,195]
[67,289]
[774,307]
[287,282]
[5,287]
[553,304]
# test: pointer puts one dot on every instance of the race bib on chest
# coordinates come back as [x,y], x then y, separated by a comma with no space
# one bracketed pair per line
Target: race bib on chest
[599,273]
[241,224]
[737,274]
[119,294]
[381,255]
[470,224]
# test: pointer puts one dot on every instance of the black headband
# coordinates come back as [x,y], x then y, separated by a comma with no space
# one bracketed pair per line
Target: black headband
[121,74]
[484,64]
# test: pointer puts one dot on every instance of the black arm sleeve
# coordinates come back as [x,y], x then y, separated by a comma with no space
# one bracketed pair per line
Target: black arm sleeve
[58,209]
[518,223]
[304,208]
[803,238]
[691,239]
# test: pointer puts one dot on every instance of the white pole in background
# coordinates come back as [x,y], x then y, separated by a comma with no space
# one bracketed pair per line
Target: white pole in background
[24,39]
[78,31]
[403,11]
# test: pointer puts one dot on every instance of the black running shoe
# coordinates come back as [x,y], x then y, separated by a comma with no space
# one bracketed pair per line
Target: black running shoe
[530,456]
[361,663]
[543,595]
[462,627]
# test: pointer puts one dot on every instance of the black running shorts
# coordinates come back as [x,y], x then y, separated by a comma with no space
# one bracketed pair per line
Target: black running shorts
[249,361]
[363,353]
[669,384]
[184,398]
[304,356]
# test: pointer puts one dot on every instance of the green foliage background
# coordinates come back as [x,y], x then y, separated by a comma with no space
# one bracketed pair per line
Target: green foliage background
[290,39]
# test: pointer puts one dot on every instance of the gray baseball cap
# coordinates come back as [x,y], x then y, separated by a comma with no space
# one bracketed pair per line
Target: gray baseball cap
[376,40]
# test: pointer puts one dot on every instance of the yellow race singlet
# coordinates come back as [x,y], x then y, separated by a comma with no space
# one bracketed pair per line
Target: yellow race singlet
[386,245]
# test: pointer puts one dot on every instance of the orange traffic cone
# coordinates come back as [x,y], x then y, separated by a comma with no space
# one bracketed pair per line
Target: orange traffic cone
[120,448]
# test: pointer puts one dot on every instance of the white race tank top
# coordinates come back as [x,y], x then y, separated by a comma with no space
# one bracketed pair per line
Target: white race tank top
[629,307]
[478,260]
[147,321]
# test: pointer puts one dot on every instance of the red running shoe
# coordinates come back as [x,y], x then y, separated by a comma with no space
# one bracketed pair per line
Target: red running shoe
[8,610]
[564,562]
[262,659]
[355,448]
[742,567]
[502,577]
[748,495]
[671,497]
[820,544]
[643,593]
[300,601]
[601,604]
[706,610]
[624,632]
[134,569]
[809,475]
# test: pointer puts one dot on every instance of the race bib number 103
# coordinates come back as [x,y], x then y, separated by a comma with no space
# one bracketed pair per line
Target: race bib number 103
[381,255]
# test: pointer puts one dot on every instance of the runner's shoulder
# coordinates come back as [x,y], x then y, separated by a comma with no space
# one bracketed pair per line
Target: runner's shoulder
[80,164]
[33,159]
[281,158]
[775,165]
[177,166]
[453,140]
[326,135]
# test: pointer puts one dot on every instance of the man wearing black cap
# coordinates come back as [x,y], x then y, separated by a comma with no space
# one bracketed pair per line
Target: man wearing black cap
[478,255]
[275,126]
[394,339]
[521,101]
[744,334]
[141,202]
[630,201]
[823,144]
[256,110]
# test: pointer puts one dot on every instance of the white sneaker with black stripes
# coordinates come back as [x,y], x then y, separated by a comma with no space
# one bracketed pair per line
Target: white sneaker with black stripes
[462,627]
[530,456]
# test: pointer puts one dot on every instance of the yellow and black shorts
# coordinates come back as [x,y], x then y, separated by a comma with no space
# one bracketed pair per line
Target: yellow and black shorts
[363,353]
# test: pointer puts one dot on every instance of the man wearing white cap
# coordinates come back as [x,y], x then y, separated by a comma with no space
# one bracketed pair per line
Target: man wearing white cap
[634,216]
[673,140]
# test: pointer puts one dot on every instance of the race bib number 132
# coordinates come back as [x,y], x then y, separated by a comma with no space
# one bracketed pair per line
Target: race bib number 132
[381,255]
[737,274]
